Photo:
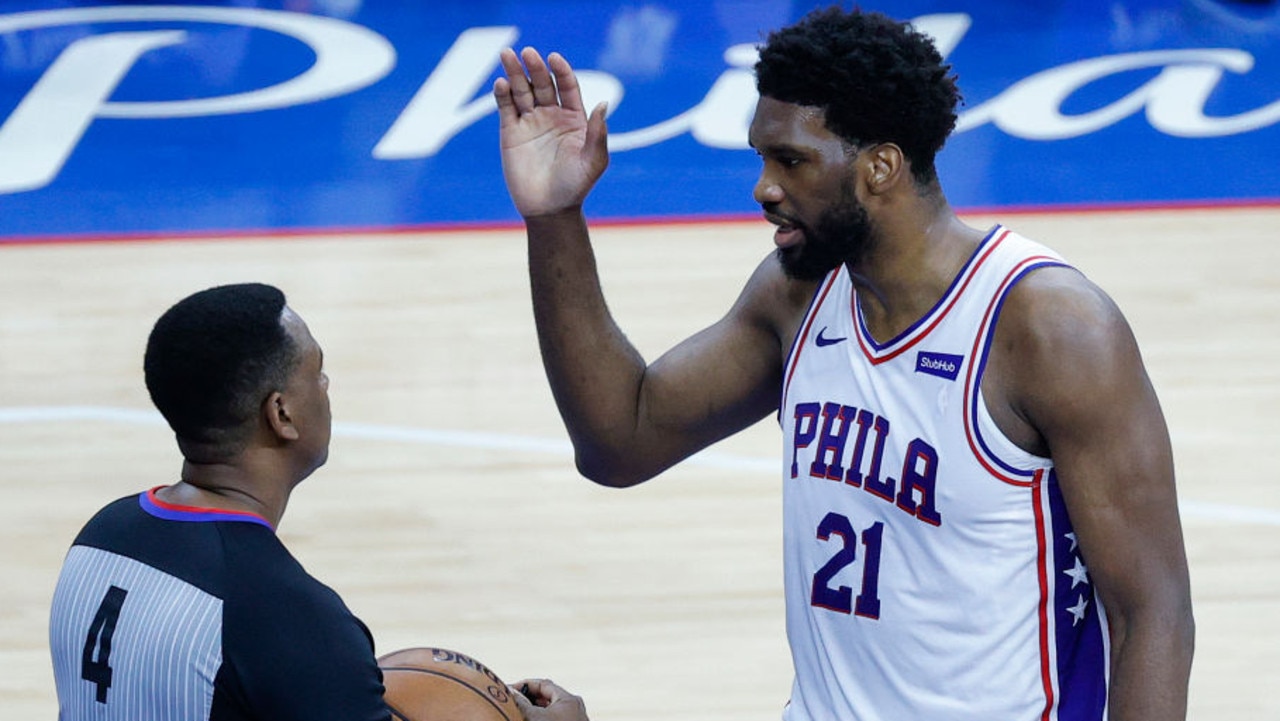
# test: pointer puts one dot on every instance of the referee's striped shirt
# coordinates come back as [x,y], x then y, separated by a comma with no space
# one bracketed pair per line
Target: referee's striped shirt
[172,613]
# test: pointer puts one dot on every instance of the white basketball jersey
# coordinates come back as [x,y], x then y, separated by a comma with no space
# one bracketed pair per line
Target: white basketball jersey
[931,570]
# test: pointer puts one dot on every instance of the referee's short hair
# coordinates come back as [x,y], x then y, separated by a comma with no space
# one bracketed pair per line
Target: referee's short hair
[212,359]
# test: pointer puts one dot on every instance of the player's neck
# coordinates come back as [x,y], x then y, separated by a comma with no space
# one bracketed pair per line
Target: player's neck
[910,267]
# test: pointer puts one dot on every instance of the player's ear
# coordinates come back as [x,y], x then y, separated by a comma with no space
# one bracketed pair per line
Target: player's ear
[275,411]
[886,169]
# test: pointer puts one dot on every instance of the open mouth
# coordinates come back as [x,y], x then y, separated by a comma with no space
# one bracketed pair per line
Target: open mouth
[788,234]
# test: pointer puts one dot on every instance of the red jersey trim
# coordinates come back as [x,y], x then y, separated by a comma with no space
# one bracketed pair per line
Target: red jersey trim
[1042,562]
[803,336]
[179,512]
[977,365]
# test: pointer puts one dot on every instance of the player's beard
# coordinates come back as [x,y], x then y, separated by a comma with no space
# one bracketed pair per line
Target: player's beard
[843,234]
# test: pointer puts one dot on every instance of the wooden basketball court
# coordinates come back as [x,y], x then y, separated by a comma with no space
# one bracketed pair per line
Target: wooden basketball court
[450,513]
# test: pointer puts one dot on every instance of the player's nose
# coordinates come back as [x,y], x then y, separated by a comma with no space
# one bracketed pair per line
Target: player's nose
[766,190]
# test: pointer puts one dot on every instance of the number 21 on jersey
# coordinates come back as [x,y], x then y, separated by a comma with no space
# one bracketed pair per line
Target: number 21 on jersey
[836,529]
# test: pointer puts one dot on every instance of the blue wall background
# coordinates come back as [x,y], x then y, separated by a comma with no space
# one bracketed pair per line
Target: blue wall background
[1068,104]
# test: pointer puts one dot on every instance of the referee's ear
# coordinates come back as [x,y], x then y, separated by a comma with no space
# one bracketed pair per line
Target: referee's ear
[275,411]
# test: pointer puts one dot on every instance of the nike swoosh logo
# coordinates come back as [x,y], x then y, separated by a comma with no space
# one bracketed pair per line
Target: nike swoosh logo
[823,341]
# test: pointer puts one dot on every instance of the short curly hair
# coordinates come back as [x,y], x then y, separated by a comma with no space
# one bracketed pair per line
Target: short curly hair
[876,79]
[212,359]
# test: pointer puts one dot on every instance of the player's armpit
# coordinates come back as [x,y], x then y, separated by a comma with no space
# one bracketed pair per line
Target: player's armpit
[713,384]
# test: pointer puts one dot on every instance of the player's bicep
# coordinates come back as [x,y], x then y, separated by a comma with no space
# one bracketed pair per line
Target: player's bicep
[1087,392]
[725,377]
[720,380]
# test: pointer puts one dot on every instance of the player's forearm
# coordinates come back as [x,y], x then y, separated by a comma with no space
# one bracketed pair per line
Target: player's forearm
[1151,664]
[594,371]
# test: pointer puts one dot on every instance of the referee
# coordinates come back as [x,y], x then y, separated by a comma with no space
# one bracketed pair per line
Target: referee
[180,603]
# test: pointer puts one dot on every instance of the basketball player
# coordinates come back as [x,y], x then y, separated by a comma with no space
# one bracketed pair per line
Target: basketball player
[978,491]
[180,603]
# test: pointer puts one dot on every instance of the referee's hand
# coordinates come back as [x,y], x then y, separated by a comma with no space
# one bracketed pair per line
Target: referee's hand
[542,700]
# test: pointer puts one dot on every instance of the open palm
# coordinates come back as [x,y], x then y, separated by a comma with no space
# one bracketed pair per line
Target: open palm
[552,152]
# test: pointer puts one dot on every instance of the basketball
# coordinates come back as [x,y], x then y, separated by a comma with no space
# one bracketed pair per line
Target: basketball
[436,684]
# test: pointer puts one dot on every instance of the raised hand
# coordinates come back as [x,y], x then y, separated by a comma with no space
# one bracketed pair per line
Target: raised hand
[552,152]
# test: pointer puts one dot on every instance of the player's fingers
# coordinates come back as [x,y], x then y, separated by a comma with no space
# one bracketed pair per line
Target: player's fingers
[597,140]
[520,92]
[506,105]
[566,82]
[544,86]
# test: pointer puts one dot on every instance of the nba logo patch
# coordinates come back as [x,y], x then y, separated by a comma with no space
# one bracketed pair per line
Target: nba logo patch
[943,365]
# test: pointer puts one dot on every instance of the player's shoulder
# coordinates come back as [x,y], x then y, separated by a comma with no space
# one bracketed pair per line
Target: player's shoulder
[775,297]
[1055,316]
[1060,297]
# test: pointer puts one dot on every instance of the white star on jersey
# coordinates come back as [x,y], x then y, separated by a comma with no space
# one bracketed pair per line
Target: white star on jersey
[1078,573]
[1077,611]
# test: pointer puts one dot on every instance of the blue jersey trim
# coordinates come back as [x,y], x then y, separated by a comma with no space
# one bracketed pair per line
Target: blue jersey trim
[191,514]
[982,367]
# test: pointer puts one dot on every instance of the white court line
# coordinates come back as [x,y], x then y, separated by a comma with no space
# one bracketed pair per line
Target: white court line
[1199,510]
